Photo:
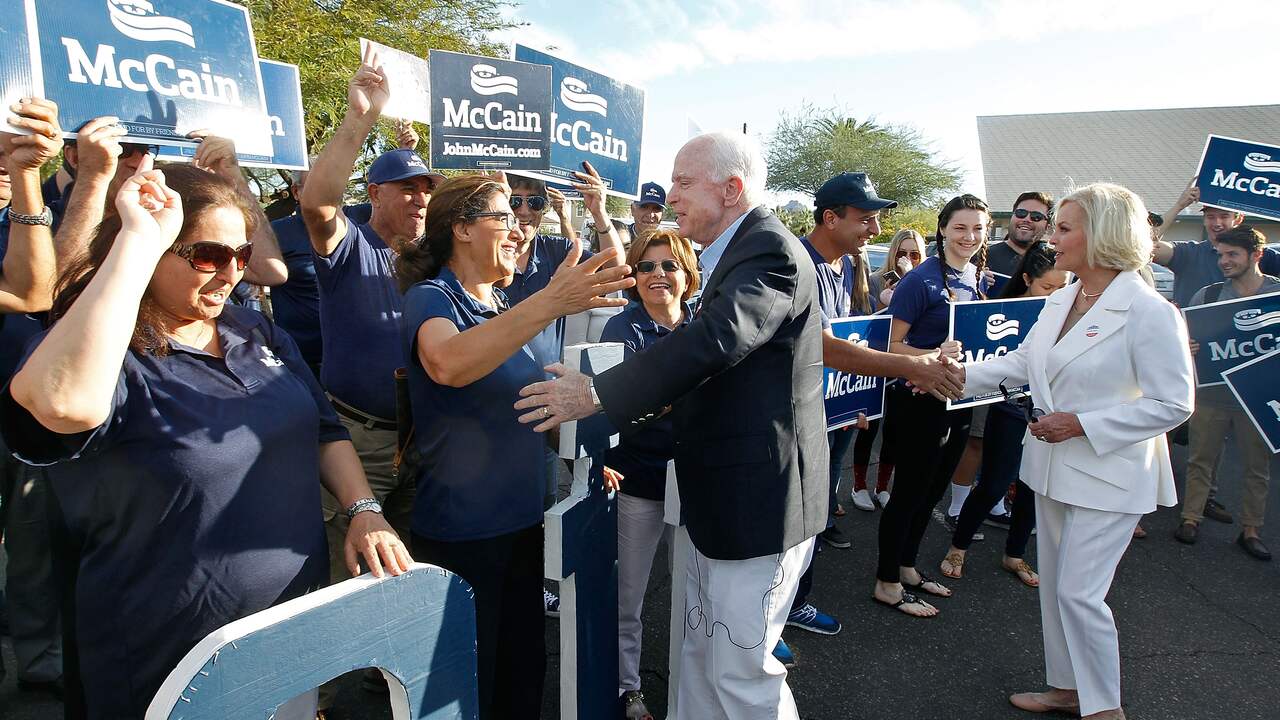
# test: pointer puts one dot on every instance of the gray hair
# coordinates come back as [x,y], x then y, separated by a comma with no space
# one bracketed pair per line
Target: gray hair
[736,155]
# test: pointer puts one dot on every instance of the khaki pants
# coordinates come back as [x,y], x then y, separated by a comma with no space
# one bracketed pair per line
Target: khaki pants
[1209,425]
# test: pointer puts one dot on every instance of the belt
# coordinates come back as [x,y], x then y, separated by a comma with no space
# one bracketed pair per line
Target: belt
[369,421]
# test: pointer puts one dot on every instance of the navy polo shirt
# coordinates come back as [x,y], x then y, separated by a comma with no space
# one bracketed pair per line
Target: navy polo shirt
[198,501]
[360,323]
[921,299]
[546,254]
[483,472]
[295,305]
[835,290]
[642,455]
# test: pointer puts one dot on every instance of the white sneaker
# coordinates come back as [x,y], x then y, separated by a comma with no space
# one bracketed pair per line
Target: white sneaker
[882,497]
[862,500]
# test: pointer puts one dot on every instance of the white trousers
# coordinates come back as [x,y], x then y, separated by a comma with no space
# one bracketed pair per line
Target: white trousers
[734,614]
[1079,550]
[640,527]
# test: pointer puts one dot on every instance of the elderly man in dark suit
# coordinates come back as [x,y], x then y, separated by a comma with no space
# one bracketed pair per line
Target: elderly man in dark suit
[744,381]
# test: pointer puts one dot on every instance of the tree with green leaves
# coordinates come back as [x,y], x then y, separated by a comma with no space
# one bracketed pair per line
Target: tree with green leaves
[811,145]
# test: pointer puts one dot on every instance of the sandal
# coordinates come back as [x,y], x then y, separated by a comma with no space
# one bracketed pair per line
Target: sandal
[956,561]
[907,599]
[634,707]
[925,580]
[840,511]
[1023,572]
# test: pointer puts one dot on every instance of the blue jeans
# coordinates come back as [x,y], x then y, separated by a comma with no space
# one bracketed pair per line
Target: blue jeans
[839,442]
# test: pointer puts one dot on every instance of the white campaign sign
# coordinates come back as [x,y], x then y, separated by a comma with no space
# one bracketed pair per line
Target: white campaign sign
[409,81]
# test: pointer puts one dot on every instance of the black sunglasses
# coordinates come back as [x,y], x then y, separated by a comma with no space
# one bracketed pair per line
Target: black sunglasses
[508,219]
[1023,400]
[128,150]
[537,203]
[648,266]
[1036,215]
[212,256]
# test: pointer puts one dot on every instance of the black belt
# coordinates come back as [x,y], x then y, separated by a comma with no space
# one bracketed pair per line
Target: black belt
[369,421]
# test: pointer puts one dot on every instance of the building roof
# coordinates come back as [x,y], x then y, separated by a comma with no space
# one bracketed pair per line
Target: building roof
[1152,152]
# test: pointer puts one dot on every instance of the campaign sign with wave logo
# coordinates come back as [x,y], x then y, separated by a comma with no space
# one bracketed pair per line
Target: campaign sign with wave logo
[489,113]
[596,118]
[991,328]
[848,394]
[1232,332]
[1240,175]
[1255,387]
[164,67]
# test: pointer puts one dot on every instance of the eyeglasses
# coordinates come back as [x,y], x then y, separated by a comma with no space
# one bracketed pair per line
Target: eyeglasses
[913,254]
[1023,400]
[509,219]
[648,266]
[1036,215]
[128,150]
[212,256]
[537,203]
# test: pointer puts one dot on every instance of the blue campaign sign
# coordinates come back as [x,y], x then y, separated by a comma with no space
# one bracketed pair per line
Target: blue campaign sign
[990,328]
[164,67]
[1231,332]
[1254,385]
[597,119]
[846,394]
[1240,175]
[285,122]
[489,113]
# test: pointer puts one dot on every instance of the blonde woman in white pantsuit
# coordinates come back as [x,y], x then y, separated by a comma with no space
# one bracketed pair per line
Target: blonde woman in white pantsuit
[1110,373]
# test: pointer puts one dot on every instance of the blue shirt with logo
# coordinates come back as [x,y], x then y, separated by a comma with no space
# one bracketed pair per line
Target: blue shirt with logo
[482,473]
[360,322]
[641,455]
[921,299]
[546,253]
[197,502]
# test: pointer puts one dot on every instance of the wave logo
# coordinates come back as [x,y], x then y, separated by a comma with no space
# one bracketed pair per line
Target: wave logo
[139,20]
[1254,319]
[999,327]
[574,95]
[485,80]
[1261,162]
[856,339]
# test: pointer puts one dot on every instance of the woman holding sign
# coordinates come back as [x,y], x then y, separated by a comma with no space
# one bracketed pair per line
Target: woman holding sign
[927,439]
[1095,452]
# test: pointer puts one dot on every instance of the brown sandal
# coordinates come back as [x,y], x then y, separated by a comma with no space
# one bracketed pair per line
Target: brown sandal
[956,561]
[1022,567]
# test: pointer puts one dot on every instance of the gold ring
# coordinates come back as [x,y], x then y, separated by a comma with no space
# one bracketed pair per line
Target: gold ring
[545,412]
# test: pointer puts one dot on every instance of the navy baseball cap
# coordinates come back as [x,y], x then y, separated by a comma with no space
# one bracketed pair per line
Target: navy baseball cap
[651,193]
[853,189]
[398,165]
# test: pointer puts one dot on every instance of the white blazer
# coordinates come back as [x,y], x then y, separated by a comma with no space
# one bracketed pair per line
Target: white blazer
[1125,370]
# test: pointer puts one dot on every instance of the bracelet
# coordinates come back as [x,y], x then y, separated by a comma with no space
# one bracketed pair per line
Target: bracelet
[364,505]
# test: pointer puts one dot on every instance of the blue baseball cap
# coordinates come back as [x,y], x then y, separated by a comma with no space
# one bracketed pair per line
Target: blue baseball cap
[853,189]
[651,193]
[398,165]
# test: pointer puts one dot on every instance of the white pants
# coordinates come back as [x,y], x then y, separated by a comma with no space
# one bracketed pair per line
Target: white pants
[640,527]
[734,614]
[1079,550]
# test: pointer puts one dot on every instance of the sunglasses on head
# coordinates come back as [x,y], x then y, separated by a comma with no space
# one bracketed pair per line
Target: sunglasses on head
[128,150]
[212,256]
[537,203]
[1023,400]
[913,254]
[1036,215]
[648,266]
[508,219]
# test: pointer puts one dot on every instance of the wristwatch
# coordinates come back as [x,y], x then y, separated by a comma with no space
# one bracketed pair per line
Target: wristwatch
[364,505]
[595,398]
[44,218]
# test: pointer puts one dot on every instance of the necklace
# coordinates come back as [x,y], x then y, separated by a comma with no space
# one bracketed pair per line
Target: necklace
[1091,296]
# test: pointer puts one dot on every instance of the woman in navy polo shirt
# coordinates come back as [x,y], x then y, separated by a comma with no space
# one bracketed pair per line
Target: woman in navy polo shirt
[187,439]
[927,439]
[478,510]
[666,277]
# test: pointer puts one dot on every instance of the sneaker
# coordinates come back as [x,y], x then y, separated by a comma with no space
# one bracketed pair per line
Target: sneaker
[550,603]
[810,618]
[1002,521]
[784,655]
[862,500]
[835,538]
[882,497]
[634,707]
[1186,533]
[953,520]
[1215,510]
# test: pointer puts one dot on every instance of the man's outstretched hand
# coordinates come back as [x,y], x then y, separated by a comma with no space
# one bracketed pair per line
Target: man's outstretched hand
[552,402]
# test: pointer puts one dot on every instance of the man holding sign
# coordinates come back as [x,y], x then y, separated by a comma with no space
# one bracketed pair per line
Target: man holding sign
[1239,252]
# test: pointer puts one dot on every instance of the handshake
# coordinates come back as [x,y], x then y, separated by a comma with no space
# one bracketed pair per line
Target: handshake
[938,373]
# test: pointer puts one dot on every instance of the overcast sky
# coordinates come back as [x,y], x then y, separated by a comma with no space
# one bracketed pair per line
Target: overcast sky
[933,64]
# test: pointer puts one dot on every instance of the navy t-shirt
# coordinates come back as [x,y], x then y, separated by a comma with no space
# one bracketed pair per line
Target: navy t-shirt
[17,330]
[545,256]
[642,455]
[295,305]
[835,289]
[921,299]
[198,501]
[483,471]
[360,323]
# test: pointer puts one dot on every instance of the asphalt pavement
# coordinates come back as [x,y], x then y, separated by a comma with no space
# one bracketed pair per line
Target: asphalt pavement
[1199,636]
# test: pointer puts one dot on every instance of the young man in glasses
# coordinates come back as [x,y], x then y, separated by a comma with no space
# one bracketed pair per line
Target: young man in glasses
[1031,213]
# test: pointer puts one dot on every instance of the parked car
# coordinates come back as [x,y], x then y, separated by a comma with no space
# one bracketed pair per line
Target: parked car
[1164,280]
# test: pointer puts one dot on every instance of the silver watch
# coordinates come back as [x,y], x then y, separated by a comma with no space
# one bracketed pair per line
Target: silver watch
[44,218]
[364,505]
